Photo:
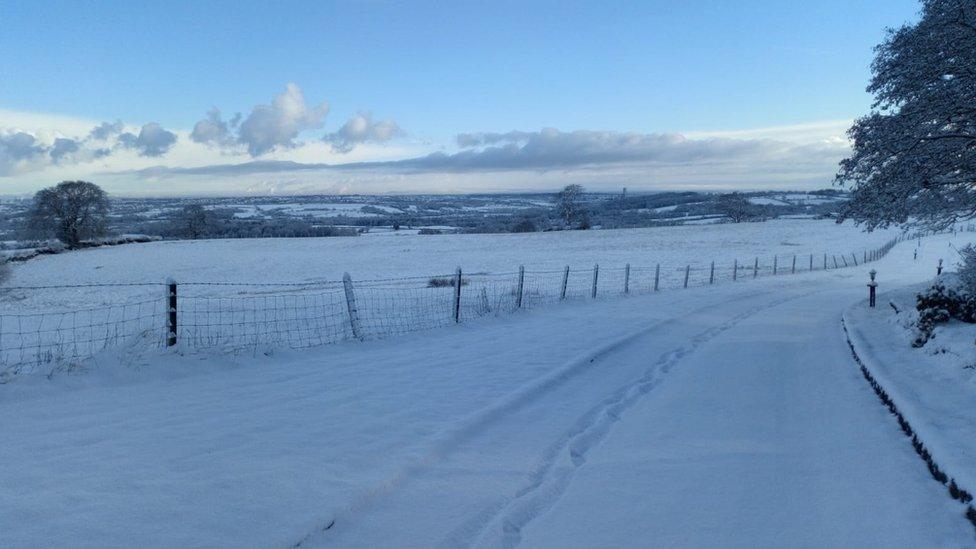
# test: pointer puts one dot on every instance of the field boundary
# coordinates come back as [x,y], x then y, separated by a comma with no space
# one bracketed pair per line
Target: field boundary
[233,316]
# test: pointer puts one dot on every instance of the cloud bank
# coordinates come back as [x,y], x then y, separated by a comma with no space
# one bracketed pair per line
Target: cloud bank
[589,153]
[22,151]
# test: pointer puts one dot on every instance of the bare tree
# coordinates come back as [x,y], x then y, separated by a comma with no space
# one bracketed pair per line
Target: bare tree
[736,207]
[195,221]
[569,204]
[72,211]
[914,155]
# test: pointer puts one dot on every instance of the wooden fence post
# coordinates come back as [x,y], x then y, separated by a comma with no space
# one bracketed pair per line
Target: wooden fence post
[844,259]
[854,257]
[825,262]
[755,268]
[835,262]
[521,287]
[811,262]
[457,295]
[351,308]
[711,274]
[775,265]
[596,276]
[657,276]
[735,270]
[562,294]
[687,270]
[793,269]
[627,279]
[172,317]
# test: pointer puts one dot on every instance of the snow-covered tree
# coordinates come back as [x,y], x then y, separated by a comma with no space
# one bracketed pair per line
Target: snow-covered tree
[914,155]
[72,211]
[736,207]
[569,204]
[967,267]
[195,221]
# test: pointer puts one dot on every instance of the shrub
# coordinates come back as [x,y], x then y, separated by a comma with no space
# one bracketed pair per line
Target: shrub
[445,282]
[4,270]
[967,268]
[430,231]
[939,304]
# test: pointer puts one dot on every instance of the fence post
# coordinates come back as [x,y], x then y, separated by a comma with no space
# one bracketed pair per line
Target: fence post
[938,269]
[775,265]
[521,286]
[627,279]
[835,262]
[844,258]
[793,269]
[657,275]
[854,257]
[687,270]
[596,276]
[457,295]
[825,262]
[351,307]
[172,316]
[755,268]
[562,294]
[865,258]
[711,274]
[735,270]
[811,262]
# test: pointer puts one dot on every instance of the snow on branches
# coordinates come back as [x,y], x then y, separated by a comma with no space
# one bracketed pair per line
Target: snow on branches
[914,155]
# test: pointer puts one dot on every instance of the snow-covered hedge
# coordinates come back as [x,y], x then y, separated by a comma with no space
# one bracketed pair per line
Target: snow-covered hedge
[950,298]
[49,247]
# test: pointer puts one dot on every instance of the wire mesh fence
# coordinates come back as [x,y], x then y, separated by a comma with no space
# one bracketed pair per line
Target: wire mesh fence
[234,316]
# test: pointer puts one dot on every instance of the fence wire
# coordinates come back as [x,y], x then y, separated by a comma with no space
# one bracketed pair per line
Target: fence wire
[235,316]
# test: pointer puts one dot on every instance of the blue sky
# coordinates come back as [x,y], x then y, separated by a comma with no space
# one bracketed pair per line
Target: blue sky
[698,69]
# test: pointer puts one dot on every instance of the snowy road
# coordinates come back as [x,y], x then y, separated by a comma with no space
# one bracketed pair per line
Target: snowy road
[725,416]
[743,426]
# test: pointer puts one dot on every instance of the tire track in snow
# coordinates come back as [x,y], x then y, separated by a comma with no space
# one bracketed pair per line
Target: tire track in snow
[472,425]
[503,526]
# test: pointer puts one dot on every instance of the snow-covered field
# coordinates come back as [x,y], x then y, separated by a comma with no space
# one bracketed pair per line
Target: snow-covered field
[729,416]
[326,259]
[237,294]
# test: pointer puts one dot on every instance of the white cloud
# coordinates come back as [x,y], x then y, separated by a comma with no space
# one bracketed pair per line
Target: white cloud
[278,125]
[36,150]
[362,129]
[152,140]
[216,131]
